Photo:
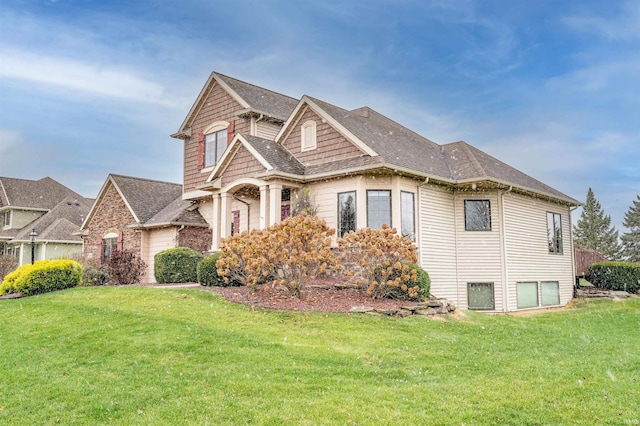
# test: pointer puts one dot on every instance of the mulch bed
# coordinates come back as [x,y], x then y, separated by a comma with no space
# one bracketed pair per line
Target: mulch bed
[326,295]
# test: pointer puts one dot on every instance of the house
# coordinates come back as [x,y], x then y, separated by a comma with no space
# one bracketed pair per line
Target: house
[144,216]
[491,237]
[45,206]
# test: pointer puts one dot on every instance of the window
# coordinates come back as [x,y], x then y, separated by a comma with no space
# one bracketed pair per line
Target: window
[7,218]
[109,245]
[408,216]
[527,294]
[477,215]
[554,232]
[378,208]
[308,136]
[550,293]
[538,293]
[214,145]
[346,212]
[480,296]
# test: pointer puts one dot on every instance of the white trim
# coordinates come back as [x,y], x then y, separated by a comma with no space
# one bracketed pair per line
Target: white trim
[216,126]
[195,195]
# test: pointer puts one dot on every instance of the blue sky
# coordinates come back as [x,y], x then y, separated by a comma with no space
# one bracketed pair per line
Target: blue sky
[551,87]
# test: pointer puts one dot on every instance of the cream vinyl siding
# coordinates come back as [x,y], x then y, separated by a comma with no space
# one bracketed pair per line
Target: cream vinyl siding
[478,252]
[267,130]
[154,242]
[527,250]
[436,241]
[325,197]
[205,207]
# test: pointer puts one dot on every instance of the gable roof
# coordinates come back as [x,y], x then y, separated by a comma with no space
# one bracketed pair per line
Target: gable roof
[43,194]
[398,148]
[252,98]
[152,203]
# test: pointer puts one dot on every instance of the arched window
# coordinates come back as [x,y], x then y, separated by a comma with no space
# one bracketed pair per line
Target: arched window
[214,143]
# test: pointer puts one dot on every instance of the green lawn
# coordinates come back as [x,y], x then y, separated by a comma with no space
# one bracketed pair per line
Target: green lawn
[136,355]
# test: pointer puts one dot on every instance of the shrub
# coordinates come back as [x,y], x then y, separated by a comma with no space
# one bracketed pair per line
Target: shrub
[291,252]
[42,277]
[92,276]
[177,265]
[623,276]
[366,251]
[401,280]
[124,267]
[208,272]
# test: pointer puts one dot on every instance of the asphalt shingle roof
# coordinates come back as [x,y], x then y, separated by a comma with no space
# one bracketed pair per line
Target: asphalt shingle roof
[275,104]
[43,194]
[276,155]
[146,197]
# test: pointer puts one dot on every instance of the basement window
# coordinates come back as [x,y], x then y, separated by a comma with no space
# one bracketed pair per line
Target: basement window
[480,296]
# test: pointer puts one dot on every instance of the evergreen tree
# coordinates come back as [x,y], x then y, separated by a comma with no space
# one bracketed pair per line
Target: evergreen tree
[631,239]
[594,230]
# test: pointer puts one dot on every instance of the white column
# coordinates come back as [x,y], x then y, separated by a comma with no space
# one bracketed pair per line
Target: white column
[225,215]
[361,202]
[264,206]
[215,223]
[275,203]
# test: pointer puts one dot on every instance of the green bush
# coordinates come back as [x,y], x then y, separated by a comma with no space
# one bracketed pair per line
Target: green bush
[402,280]
[623,276]
[42,277]
[208,272]
[92,276]
[177,265]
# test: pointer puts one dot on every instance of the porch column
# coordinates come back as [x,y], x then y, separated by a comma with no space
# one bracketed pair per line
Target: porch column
[275,203]
[225,215]
[264,206]
[215,223]
[361,202]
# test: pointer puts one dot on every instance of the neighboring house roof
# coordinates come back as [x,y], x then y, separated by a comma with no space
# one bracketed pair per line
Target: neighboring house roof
[63,209]
[251,98]
[41,194]
[152,203]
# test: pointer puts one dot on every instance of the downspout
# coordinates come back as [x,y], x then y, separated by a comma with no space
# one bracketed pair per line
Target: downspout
[503,247]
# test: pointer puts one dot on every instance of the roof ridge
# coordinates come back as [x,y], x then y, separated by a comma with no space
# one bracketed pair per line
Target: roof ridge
[255,85]
[145,179]
[473,158]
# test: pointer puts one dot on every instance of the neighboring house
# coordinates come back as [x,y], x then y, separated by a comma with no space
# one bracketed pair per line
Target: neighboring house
[54,211]
[144,216]
[491,237]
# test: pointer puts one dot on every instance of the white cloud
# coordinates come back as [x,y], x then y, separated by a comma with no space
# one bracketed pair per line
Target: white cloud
[76,75]
[624,26]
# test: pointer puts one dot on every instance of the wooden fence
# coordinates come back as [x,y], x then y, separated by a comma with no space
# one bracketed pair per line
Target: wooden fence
[584,258]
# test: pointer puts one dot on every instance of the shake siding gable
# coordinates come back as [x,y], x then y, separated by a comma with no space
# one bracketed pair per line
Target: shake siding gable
[331,145]
[526,247]
[219,106]
[243,164]
[437,244]
[478,252]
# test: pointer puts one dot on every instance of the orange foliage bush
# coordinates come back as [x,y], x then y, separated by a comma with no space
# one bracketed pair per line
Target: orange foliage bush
[290,253]
[378,256]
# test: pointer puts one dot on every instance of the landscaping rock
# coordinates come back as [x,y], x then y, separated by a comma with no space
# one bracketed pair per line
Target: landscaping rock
[389,312]
[619,294]
[362,309]
[426,312]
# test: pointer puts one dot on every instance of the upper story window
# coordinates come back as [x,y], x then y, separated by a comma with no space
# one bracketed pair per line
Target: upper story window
[407,210]
[346,212]
[378,208]
[308,136]
[214,145]
[477,215]
[554,232]
[7,218]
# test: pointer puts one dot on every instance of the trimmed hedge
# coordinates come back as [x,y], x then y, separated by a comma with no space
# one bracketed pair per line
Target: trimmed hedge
[623,276]
[42,277]
[177,265]
[208,272]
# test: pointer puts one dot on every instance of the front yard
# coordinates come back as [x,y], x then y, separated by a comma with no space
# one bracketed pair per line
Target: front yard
[135,355]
